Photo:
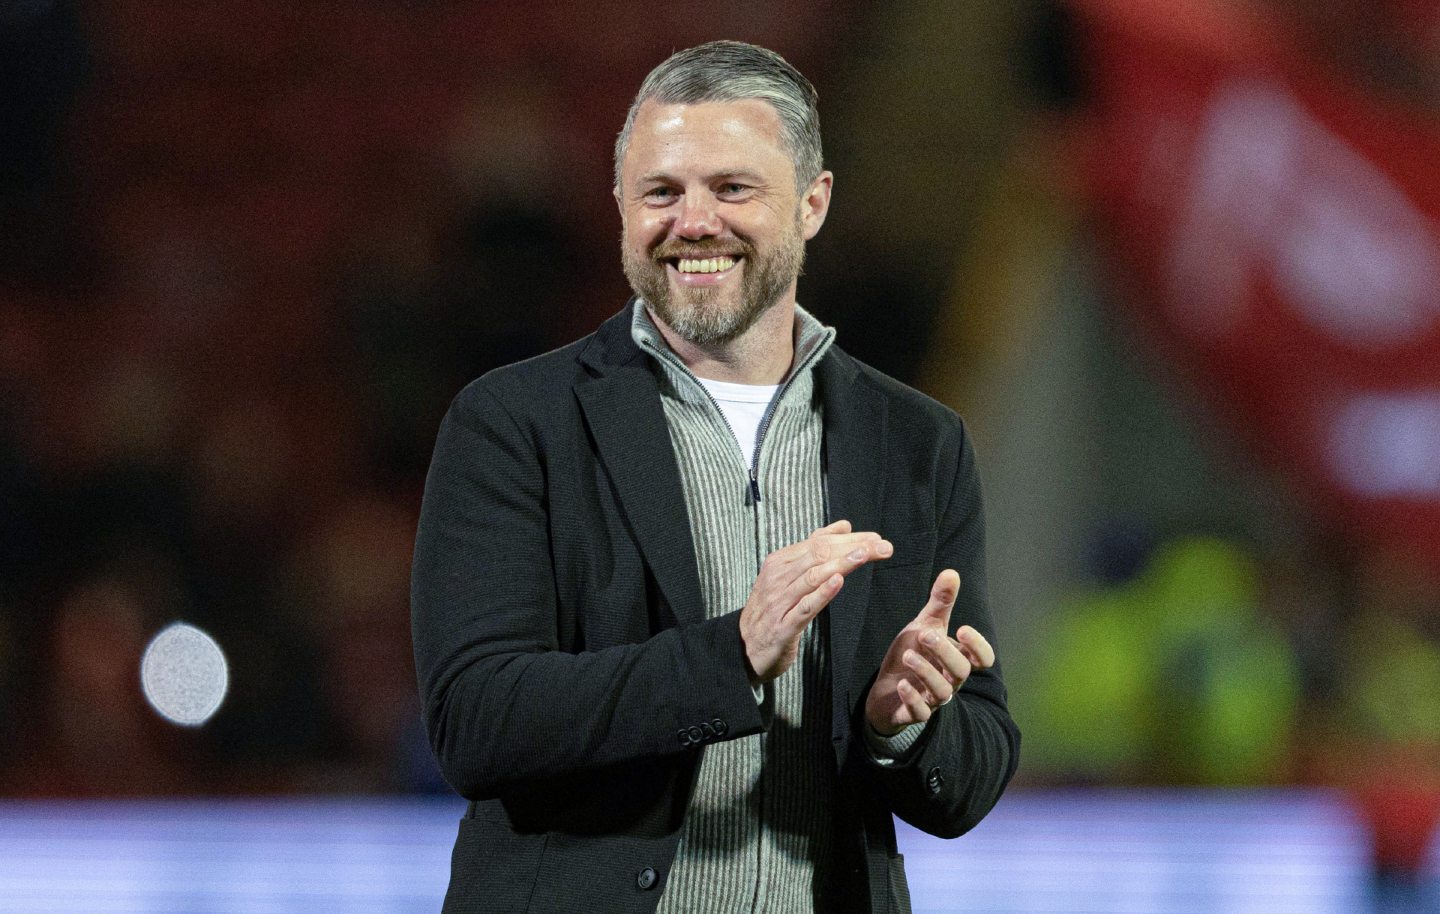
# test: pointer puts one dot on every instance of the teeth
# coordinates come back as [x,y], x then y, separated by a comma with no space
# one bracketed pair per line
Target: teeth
[707,265]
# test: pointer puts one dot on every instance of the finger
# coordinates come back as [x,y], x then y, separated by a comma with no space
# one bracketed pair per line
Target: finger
[800,547]
[976,648]
[805,578]
[948,656]
[832,544]
[808,607]
[850,552]
[822,548]
[839,528]
[942,600]
[867,548]
[940,690]
[914,702]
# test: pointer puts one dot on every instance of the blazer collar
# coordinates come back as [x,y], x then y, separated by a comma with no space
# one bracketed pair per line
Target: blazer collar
[620,399]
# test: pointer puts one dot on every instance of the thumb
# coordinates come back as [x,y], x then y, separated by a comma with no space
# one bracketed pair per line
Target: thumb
[942,600]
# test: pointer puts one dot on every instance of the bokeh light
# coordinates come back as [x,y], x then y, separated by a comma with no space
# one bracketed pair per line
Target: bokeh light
[184,675]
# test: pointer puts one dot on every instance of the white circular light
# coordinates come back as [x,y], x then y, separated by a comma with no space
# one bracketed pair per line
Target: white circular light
[184,675]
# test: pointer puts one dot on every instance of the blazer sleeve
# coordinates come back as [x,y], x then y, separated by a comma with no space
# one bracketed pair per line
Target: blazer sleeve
[502,702]
[967,753]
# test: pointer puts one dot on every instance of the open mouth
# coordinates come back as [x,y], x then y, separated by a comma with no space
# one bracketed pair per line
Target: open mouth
[703,264]
[702,271]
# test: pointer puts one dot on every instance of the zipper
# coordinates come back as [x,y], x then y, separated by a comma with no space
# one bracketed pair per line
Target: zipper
[753,491]
[770,414]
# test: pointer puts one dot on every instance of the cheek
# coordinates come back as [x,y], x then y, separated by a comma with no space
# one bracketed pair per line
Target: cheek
[643,233]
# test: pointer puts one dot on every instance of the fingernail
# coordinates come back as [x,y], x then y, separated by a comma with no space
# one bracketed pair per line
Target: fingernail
[929,638]
[884,548]
[857,554]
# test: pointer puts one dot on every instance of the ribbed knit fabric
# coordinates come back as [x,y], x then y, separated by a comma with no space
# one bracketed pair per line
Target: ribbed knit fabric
[757,834]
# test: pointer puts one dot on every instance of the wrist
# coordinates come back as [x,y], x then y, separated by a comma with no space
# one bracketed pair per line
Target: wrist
[885,731]
[883,727]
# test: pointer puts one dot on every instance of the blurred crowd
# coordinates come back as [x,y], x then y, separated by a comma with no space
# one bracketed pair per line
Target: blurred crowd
[246,258]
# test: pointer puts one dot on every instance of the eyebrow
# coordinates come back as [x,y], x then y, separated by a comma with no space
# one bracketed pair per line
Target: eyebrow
[723,174]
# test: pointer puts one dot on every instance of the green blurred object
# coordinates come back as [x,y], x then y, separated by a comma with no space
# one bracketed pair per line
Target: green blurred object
[1172,677]
[1394,692]
[1086,715]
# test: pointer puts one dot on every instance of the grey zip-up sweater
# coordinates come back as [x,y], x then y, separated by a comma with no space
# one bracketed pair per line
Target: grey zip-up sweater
[757,835]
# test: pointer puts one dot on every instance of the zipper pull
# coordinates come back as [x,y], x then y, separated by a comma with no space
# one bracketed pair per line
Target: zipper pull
[754,488]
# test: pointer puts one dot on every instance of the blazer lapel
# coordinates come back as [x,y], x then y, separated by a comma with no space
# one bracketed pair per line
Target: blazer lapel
[622,409]
[855,416]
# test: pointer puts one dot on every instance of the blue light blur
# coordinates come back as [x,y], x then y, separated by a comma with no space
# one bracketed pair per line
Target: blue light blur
[1138,852]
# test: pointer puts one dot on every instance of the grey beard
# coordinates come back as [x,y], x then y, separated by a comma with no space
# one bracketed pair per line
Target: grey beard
[697,318]
[700,322]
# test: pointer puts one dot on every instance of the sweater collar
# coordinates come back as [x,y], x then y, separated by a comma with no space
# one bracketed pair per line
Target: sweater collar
[812,340]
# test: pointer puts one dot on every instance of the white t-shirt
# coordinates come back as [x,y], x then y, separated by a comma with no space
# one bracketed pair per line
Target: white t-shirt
[744,406]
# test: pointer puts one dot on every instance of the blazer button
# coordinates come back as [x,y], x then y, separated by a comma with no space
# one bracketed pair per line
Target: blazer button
[935,780]
[696,734]
[646,878]
[721,728]
[684,738]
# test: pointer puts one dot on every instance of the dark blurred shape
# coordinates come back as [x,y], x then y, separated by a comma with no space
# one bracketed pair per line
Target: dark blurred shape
[500,279]
[882,316]
[1389,47]
[88,731]
[1051,57]
[1119,551]
[44,63]
[351,578]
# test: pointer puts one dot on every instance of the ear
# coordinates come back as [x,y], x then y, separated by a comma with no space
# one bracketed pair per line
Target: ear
[815,204]
[619,203]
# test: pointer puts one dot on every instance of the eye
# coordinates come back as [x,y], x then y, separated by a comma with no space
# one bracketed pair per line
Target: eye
[659,195]
[733,189]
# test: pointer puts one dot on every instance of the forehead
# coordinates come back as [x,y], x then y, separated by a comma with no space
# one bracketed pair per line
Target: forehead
[677,139]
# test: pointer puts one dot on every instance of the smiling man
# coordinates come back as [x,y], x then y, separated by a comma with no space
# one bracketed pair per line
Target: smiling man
[709,183]
[688,608]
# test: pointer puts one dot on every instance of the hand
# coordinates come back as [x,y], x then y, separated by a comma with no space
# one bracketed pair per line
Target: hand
[794,584]
[924,668]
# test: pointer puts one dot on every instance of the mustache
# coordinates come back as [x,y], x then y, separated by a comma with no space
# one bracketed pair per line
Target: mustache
[668,250]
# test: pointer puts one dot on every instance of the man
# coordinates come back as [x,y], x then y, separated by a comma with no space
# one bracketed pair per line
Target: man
[688,625]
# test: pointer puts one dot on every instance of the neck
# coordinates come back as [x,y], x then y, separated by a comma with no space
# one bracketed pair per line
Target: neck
[760,355]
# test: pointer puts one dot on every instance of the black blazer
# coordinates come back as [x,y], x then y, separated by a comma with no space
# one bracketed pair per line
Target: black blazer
[570,679]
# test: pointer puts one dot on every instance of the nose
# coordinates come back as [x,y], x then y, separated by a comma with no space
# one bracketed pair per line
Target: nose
[699,217]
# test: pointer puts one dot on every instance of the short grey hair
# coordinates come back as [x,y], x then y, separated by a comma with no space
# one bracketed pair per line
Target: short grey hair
[731,71]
